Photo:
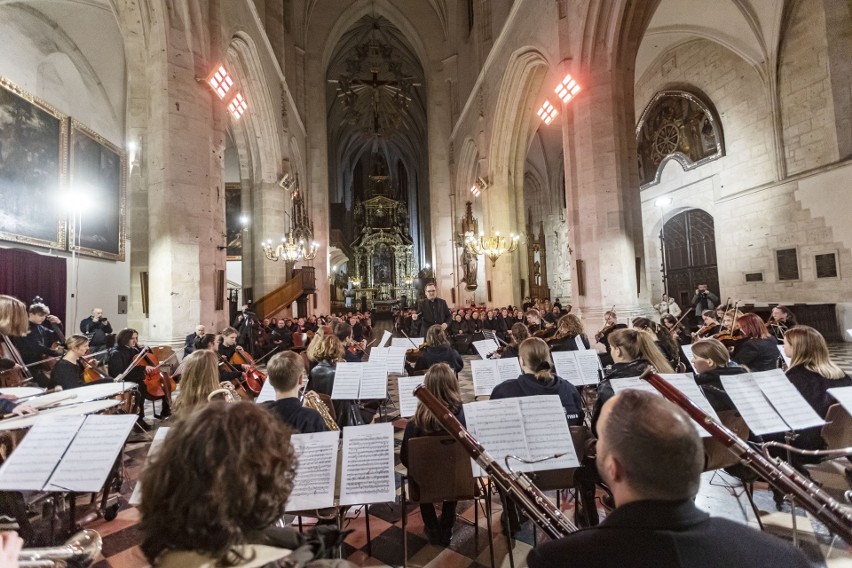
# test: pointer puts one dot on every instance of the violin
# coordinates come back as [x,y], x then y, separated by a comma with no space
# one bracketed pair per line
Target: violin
[252,378]
[606,330]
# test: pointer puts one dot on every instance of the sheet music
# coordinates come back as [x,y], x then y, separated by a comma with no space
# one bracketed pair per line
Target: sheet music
[784,356]
[687,353]
[407,342]
[92,454]
[407,401]
[396,360]
[567,368]
[347,381]
[498,425]
[156,443]
[378,355]
[485,347]
[386,335]
[313,486]
[752,404]
[30,466]
[589,364]
[267,393]
[579,342]
[547,433]
[787,400]
[374,382]
[368,468]
[509,368]
[485,376]
[843,395]
[619,385]
[685,383]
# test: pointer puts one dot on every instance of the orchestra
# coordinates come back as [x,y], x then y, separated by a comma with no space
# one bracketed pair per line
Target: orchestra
[737,343]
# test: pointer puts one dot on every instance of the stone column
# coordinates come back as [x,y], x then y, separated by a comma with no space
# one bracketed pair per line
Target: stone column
[186,197]
[603,197]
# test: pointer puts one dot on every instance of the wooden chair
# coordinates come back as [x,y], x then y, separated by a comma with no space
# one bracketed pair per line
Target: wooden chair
[439,469]
[831,474]
[837,431]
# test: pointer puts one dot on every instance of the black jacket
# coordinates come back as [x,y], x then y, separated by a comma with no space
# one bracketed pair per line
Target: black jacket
[758,354]
[527,385]
[322,377]
[814,387]
[433,312]
[666,534]
[305,420]
[189,343]
[119,359]
[35,346]
[440,354]
[567,343]
[67,375]
[413,431]
[605,390]
[96,330]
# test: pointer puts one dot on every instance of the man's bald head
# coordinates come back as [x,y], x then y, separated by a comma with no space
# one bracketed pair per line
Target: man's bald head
[651,444]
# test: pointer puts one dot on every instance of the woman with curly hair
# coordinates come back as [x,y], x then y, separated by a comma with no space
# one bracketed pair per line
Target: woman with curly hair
[568,328]
[215,489]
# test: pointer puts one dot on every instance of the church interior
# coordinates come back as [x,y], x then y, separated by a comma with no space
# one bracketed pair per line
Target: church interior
[226,163]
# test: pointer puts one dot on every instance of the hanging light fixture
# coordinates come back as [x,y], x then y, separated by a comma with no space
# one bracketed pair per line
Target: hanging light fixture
[290,250]
[493,245]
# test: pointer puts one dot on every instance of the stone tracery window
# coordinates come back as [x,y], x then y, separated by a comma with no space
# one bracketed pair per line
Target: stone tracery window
[677,125]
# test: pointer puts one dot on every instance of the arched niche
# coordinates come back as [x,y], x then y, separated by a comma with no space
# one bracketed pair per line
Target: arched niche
[677,125]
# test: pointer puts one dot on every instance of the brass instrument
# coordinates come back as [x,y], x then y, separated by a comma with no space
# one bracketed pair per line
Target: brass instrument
[79,550]
[228,392]
[516,485]
[312,400]
[776,472]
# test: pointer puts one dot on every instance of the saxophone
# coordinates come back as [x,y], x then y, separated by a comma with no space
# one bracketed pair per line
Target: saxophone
[312,400]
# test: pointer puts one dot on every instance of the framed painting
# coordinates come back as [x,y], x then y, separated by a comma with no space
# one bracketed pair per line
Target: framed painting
[98,170]
[33,168]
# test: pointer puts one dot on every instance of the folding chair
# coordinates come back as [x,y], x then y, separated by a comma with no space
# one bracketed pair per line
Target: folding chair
[439,470]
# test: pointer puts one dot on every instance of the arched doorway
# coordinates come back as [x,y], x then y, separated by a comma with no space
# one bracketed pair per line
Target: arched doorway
[690,254]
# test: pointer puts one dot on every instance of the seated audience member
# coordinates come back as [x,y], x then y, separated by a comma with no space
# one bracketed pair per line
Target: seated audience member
[199,378]
[96,327]
[286,372]
[189,343]
[215,490]
[441,381]
[439,350]
[650,456]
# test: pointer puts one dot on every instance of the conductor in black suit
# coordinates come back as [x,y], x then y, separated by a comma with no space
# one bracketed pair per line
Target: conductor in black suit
[651,457]
[433,310]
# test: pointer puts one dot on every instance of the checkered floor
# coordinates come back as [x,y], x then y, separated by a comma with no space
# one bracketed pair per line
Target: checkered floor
[720,495]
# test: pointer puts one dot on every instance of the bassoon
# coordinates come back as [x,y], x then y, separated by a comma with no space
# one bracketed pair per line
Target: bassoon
[775,471]
[515,485]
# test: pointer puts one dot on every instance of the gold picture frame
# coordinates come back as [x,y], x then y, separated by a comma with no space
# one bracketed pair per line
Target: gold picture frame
[98,169]
[33,169]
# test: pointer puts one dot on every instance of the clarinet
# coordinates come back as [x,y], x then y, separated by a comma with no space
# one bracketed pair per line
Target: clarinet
[516,485]
[777,472]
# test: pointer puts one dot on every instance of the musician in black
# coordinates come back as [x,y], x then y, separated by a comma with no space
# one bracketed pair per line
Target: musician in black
[286,373]
[610,324]
[438,350]
[650,456]
[96,327]
[780,321]
[37,344]
[433,310]
[120,358]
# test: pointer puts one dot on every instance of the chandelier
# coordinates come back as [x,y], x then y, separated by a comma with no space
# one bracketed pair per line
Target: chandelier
[298,244]
[493,245]
[356,281]
[290,250]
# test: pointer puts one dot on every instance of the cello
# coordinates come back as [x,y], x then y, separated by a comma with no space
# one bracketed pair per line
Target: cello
[158,383]
[253,379]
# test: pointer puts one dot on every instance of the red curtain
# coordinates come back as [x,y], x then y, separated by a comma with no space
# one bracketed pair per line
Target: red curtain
[25,274]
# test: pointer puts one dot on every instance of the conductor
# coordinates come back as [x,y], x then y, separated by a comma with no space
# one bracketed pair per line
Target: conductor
[433,310]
